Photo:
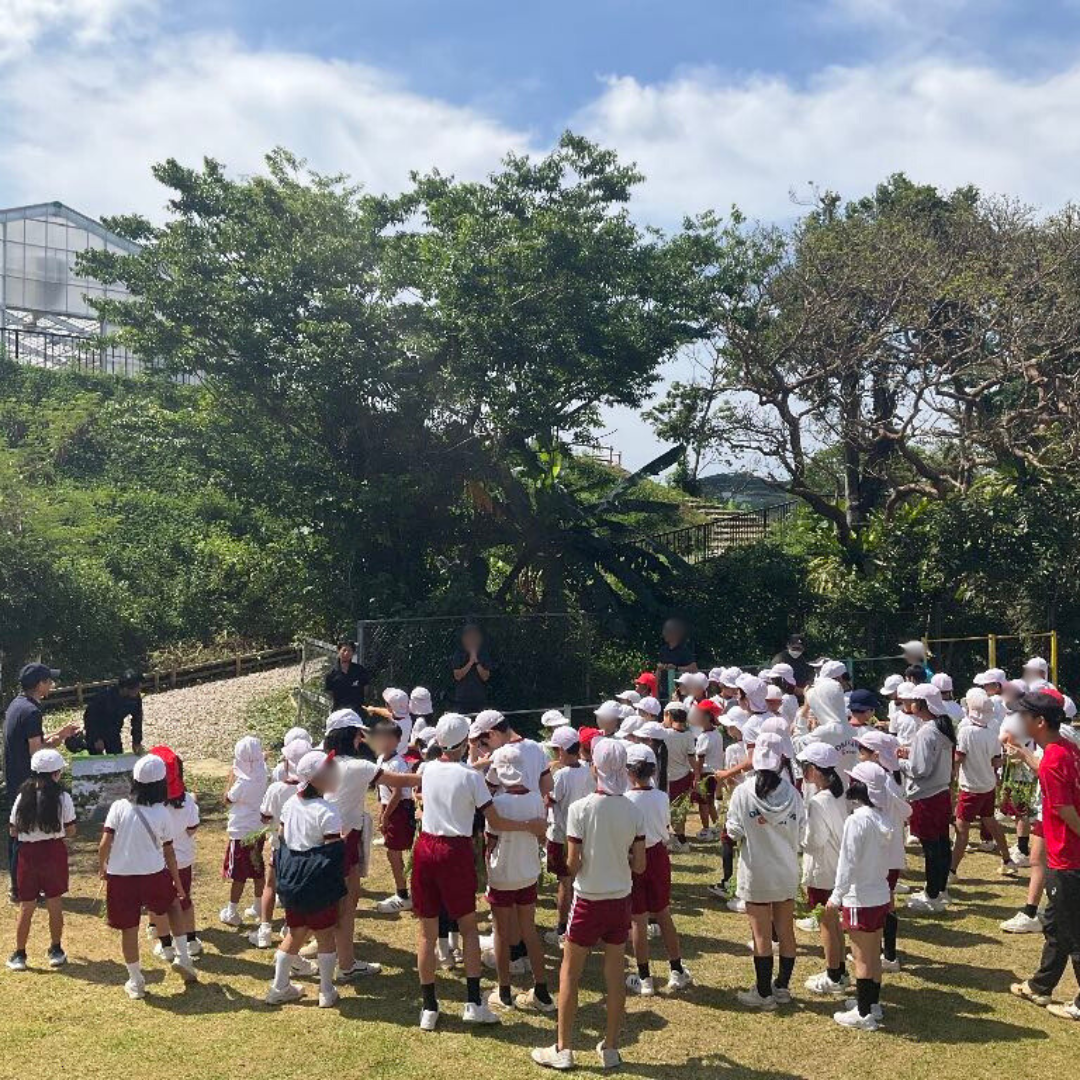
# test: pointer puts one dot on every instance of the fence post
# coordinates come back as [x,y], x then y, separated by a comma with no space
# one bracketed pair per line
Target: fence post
[991,649]
[360,642]
[1054,656]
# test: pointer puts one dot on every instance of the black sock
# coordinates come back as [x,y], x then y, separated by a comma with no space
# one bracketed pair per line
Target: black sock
[518,951]
[403,893]
[888,937]
[836,974]
[193,936]
[1031,910]
[427,992]
[561,929]
[21,952]
[643,971]
[783,976]
[676,965]
[776,939]
[877,993]
[763,967]
[930,868]
[727,858]
[864,995]
[166,940]
[472,989]
[504,996]
[540,990]
[1023,844]
[57,947]
[444,925]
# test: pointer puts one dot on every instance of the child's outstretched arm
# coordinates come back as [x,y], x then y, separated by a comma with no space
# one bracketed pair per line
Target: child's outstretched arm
[538,826]
[104,848]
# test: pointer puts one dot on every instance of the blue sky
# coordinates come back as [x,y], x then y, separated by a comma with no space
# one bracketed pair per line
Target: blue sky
[720,102]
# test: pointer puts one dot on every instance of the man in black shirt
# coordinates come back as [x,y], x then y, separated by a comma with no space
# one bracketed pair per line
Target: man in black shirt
[676,655]
[347,680]
[794,654]
[23,737]
[472,669]
[103,719]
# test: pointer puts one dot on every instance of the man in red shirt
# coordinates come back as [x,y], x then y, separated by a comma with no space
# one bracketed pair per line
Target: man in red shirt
[1059,782]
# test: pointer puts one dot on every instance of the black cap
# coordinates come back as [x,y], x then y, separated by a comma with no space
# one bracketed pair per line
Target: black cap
[34,674]
[129,679]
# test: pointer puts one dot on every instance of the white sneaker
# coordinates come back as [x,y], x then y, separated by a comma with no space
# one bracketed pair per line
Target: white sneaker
[185,970]
[292,992]
[637,985]
[521,966]
[1018,857]
[677,847]
[487,958]
[529,1002]
[379,841]
[654,930]
[553,937]
[1008,869]
[753,1000]
[230,917]
[704,834]
[328,1001]
[443,956]
[719,889]
[809,925]
[823,985]
[487,941]
[135,989]
[495,1002]
[551,1057]
[359,970]
[986,846]
[680,980]
[263,938]
[164,952]
[302,966]
[609,1059]
[479,1014]
[394,905]
[737,905]
[194,948]
[902,889]
[1022,923]
[891,966]
[1068,1011]
[251,913]
[876,1011]
[782,994]
[853,1019]
[428,1019]
[923,905]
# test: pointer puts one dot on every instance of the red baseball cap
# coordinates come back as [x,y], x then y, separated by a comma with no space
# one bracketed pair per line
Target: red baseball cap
[174,783]
[707,705]
[586,735]
[647,678]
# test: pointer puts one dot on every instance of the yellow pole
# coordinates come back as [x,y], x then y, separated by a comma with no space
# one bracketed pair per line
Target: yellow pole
[991,649]
[1054,656]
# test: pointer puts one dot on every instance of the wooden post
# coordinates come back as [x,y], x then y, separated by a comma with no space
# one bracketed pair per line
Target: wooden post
[991,649]
[1054,657]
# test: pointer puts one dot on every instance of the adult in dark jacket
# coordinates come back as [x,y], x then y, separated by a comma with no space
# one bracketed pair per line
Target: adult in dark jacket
[105,713]
[794,653]
[346,682]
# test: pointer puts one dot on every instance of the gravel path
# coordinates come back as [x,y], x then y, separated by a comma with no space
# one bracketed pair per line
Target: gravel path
[204,722]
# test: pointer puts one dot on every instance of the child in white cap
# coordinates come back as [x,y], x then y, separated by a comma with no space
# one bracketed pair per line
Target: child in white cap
[650,897]
[512,870]
[681,744]
[736,762]
[421,711]
[397,817]
[138,865]
[294,734]
[243,856]
[605,835]
[708,760]
[42,819]
[572,781]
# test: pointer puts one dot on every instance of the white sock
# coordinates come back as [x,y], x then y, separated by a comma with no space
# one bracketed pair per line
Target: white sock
[444,944]
[231,908]
[180,944]
[135,971]
[282,969]
[327,961]
[266,926]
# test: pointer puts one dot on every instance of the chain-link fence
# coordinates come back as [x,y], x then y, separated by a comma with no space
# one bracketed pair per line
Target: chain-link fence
[312,701]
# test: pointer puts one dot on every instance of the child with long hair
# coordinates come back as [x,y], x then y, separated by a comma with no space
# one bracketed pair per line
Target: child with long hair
[137,862]
[765,818]
[650,897]
[244,858]
[184,817]
[42,818]
[826,812]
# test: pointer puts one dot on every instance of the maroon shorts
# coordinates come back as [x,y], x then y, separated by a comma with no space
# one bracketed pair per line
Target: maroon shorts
[592,921]
[651,892]
[127,894]
[892,877]
[816,897]
[930,818]
[511,897]
[556,859]
[443,876]
[42,870]
[865,919]
[185,880]
[680,787]
[710,790]
[352,851]
[400,828]
[322,919]
[1036,827]
[243,863]
[974,806]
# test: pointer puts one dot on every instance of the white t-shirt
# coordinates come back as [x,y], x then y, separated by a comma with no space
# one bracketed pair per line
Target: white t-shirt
[903,725]
[277,795]
[655,810]
[67,817]
[680,754]
[735,754]
[606,826]
[979,745]
[355,775]
[244,798]
[182,818]
[394,764]
[569,784]
[306,823]
[710,748]
[135,849]
[514,862]
[452,793]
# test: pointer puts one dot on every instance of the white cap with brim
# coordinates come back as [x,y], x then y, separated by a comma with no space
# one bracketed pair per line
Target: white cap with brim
[833,669]
[485,721]
[452,730]
[148,770]
[397,701]
[507,767]
[639,754]
[768,753]
[553,719]
[874,777]
[991,675]
[344,718]
[420,702]
[1037,663]
[609,711]
[932,698]
[565,737]
[649,705]
[629,726]
[47,761]
[311,764]
[426,735]
[821,754]
[891,685]
[943,682]
[628,697]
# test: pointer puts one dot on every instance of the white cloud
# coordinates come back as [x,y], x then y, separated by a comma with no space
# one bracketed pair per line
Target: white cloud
[23,22]
[87,133]
[897,12]
[704,141]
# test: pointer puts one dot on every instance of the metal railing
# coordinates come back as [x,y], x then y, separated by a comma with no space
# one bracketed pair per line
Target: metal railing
[696,543]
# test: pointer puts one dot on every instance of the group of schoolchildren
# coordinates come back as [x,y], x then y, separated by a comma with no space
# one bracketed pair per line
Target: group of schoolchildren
[817,797]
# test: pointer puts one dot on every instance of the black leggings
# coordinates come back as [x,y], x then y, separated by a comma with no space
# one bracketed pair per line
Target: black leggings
[937,856]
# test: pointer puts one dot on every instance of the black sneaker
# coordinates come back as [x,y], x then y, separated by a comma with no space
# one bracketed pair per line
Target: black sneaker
[57,956]
[17,961]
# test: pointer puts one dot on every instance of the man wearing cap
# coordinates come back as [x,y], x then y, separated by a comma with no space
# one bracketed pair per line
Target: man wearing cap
[105,713]
[24,736]
[347,680]
[793,655]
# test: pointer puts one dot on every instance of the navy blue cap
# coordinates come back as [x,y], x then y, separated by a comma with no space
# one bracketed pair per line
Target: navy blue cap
[863,701]
[33,674]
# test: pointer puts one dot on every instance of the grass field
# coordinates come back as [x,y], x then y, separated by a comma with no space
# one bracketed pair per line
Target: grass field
[949,1012]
